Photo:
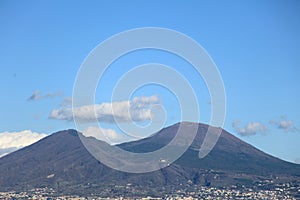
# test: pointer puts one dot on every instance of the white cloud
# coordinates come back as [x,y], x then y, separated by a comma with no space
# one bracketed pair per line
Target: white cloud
[284,124]
[138,109]
[37,96]
[10,141]
[108,135]
[251,128]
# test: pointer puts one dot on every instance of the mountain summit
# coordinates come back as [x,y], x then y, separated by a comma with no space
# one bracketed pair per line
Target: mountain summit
[61,161]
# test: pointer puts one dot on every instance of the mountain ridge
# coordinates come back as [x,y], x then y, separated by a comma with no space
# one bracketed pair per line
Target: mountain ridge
[62,158]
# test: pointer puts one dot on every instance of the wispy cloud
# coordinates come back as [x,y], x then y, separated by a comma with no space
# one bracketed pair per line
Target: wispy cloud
[11,141]
[37,96]
[284,124]
[67,102]
[108,135]
[138,109]
[252,128]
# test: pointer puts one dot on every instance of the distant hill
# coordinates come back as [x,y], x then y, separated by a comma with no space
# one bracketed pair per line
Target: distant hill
[61,161]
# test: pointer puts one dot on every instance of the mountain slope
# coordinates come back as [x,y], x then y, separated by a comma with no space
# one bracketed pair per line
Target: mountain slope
[230,153]
[61,161]
[59,156]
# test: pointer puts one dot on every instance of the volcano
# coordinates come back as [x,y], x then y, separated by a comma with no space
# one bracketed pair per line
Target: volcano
[61,161]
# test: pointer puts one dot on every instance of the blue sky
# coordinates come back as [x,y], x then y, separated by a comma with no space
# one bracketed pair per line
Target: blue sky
[255,45]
